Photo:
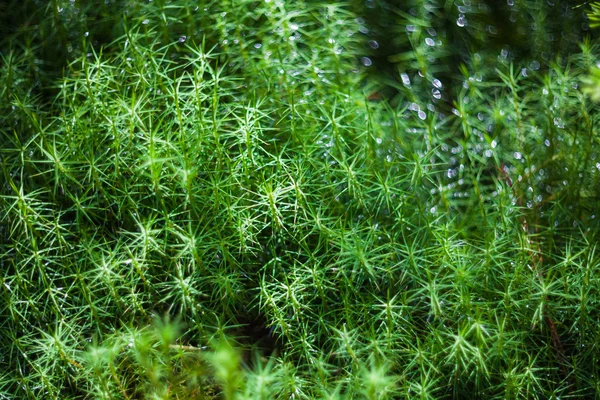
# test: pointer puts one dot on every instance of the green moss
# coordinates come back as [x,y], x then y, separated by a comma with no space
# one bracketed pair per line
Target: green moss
[232,166]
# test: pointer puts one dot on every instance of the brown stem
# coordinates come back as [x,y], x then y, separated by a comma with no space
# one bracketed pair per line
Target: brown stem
[538,262]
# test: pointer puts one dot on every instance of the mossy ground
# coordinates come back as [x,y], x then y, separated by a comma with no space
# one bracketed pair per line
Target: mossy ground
[215,199]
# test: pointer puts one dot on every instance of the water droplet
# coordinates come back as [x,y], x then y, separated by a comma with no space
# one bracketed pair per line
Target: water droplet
[437,83]
[422,114]
[182,39]
[559,123]
[294,27]
[547,143]
[429,42]
[257,45]
[405,79]
[366,61]
[517,155]
[534,65]
[373,44]
[146,21]
[461,21]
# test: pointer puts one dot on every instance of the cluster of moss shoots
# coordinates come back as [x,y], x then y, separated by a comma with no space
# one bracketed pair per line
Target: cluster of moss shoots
[219,204]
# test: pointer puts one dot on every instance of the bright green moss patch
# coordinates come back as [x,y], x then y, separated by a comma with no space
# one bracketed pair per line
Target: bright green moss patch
[212,200]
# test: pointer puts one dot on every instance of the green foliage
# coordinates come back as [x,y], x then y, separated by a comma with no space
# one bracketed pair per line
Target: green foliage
[594,15]
[591,82]
[228,166]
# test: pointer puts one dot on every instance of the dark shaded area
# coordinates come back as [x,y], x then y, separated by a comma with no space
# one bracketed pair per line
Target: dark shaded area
[545,31]
[255,336]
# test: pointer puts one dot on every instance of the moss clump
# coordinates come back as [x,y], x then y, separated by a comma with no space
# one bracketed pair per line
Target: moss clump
[232,166]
